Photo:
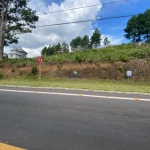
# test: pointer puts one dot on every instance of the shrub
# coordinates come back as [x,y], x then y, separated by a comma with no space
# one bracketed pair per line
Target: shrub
[34,70]
[121,69]
[78,59]
[124,58]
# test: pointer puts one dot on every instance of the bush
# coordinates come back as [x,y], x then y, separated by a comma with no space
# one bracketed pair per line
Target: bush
[124,58]
[121,69]
[78,59]
[34,70]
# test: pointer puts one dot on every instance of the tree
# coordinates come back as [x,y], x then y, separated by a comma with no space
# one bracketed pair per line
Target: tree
[55,49]
[65,47]
[138,27]
[106,41]
[58,48]
[17,18]
[44,52]
[76,43]
[72,44]
[85,42]
[147,24]
[48,51]
[96,39]
[132,29]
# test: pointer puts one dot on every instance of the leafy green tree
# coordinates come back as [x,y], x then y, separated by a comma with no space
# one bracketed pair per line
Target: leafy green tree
[44,52]
[55,49]
[48,51]
[65,47]
[72,45]
[17,18]
[76,43]
[106,41]
[96,39]
[85,42]
[138,27]
[147,24]
[58,48]
[131,29]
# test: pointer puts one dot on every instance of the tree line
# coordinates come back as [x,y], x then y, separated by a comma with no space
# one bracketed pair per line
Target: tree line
[55,49]
[78,43]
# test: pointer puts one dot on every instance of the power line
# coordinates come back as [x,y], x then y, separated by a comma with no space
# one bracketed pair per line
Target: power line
[98,19]
[83,7]
[82,21]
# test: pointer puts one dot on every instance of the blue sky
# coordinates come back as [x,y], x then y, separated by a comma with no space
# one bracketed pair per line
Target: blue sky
[115,27]
[112,28]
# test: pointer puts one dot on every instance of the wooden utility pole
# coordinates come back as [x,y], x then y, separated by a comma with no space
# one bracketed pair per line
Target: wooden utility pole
[1,30]
[40,71]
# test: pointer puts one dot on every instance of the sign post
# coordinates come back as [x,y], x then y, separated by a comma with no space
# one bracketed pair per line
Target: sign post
[40,60]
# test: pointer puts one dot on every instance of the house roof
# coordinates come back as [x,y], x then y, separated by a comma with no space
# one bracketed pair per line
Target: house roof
[21,50]
[14,50]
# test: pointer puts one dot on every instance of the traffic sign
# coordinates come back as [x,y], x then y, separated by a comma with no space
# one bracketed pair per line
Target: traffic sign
[40,60]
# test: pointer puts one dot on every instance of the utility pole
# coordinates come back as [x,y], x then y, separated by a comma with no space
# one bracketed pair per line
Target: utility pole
[1,30]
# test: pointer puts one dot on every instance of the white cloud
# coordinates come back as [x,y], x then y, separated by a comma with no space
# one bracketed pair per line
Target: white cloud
[40,37]
[113,40]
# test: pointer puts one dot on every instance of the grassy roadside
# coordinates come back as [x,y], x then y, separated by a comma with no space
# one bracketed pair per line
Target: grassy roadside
[91,84]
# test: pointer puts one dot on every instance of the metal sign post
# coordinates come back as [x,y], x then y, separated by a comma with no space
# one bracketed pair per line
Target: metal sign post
[40,60]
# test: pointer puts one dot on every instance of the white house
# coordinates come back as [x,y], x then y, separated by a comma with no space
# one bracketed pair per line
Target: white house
[17,53]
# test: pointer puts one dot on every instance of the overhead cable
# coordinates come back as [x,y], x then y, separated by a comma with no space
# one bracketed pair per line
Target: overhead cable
[83,7]
[97,19]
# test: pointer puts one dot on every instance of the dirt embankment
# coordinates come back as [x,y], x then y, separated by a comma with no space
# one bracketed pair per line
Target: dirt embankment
[117,70]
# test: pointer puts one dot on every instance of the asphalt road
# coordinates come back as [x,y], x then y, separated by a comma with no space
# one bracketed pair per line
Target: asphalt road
[48,121]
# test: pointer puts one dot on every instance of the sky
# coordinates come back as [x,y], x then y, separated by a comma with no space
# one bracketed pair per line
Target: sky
[34,42]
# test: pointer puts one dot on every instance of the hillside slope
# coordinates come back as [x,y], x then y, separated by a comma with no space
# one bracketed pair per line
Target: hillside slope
[105,63]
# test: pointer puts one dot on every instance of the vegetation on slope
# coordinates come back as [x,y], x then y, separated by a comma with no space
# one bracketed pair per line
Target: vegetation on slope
[123,52]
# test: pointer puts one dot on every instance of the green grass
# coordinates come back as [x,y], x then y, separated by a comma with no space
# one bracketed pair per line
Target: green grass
[123,52]
[91,84]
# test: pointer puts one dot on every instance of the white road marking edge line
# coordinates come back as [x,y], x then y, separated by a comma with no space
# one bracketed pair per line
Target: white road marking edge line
[69,94]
